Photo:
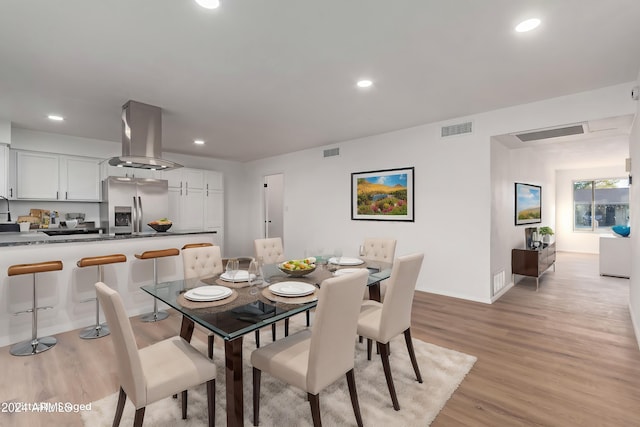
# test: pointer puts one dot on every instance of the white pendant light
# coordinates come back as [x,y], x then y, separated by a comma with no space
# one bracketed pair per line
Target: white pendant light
[209,4]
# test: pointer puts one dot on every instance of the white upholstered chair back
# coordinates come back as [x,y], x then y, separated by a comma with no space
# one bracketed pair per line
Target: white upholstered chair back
[130,371]
[396,309]
[332,347]
[270,250]
[379,249]
[201,262]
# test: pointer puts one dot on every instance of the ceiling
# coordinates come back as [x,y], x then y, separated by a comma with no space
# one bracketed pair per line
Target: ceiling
[261,78]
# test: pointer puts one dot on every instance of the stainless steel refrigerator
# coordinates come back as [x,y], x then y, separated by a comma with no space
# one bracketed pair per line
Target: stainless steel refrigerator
[129,204]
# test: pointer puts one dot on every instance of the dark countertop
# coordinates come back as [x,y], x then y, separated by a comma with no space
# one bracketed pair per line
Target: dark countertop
[37,237]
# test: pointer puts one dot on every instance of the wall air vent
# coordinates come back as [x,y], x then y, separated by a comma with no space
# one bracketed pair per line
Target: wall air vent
[459,129]
[332,152]
[551,133]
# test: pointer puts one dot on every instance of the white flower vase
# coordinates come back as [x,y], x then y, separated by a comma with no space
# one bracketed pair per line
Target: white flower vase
[546,239]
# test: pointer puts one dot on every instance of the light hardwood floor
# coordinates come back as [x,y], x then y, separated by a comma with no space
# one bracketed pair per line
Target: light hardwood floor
[563,356]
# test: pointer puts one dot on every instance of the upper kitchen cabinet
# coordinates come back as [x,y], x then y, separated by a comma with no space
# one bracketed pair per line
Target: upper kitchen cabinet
[213,180]
[185,178]
[4,171]
[79,178]
[46,176]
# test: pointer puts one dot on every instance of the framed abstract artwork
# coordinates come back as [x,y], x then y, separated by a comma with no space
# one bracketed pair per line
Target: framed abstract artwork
[528,204]
[383,195]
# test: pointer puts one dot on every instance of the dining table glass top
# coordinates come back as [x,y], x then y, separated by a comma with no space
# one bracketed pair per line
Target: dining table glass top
[246,312]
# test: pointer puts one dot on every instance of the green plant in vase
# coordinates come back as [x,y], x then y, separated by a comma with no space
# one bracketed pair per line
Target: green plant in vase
[546,233]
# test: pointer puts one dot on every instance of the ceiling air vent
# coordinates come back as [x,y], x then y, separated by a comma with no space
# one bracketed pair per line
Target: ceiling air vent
[459,129]
[551,133]
[332,152]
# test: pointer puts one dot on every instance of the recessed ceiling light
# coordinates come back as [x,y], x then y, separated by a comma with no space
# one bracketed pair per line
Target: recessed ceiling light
[198,142]
[364,83]
[528,25]
[209,4]
[55,117]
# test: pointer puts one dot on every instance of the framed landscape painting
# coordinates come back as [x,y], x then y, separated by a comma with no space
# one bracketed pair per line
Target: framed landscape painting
[383,195]
[528,204]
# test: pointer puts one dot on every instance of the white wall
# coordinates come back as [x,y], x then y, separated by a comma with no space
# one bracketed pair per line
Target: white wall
[523,165]
[566,238]
[634,285]
[453,190]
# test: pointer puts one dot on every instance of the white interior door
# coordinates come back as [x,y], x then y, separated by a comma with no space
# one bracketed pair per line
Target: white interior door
[274,206]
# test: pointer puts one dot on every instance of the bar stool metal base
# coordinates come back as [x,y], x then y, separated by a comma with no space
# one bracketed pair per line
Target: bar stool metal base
[28,348]
[92,332]
[154,316]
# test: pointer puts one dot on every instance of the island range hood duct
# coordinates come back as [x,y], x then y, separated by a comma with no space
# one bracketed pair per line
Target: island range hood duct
[142,138]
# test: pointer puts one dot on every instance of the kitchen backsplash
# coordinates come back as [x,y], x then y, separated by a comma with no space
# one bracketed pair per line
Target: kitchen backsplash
[23,208]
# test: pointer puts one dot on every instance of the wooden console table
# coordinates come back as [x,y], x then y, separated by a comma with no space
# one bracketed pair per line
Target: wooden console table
[533,262]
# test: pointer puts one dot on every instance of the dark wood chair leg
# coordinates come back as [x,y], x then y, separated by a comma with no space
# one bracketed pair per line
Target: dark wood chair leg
[273,332]
[184,404]
[369,345]
[412,354]
[211,402]
[384,355]
[256,396]
[122,398]
[286,327]
[139,417]
[351,382]
[210,347]
[360,339]
[308,318]
[257,338]
[314,402]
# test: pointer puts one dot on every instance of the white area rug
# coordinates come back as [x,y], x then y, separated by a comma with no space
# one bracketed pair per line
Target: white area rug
[280,405]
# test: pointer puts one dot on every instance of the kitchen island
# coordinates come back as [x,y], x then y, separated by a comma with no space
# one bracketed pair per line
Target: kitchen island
[64,290]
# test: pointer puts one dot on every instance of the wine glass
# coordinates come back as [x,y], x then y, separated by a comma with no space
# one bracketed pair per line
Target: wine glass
[232,269]
[253,277]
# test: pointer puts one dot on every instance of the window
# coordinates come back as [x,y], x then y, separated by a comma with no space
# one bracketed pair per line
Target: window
[600,203]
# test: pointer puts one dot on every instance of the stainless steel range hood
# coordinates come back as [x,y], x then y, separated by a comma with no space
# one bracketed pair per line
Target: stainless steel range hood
[142,138]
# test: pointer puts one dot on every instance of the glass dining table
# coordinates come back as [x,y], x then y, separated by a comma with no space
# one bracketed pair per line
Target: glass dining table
[246,312]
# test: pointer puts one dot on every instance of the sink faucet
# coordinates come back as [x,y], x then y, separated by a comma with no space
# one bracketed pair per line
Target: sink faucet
[8,212]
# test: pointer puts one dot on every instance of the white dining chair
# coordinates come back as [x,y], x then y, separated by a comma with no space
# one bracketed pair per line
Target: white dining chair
[380,322]
[270,250]
[316,357]
[200,261]
[154,372]
[379,249]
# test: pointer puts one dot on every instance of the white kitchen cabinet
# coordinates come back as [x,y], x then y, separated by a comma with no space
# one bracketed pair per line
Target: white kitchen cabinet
[184,178]
[79,179]
[47,176]
[186,208]
[37,175]
[213,209]
[4,171]
[213,180]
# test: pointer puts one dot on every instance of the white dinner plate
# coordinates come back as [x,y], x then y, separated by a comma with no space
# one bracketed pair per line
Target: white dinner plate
[208,293]
[292,289]
[240,276]
[345,261]
[344,271]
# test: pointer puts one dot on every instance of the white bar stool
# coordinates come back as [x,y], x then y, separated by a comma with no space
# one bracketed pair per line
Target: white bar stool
[35,345]
[98,330]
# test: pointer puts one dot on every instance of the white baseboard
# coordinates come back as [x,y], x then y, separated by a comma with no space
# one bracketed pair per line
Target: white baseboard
[497,296]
